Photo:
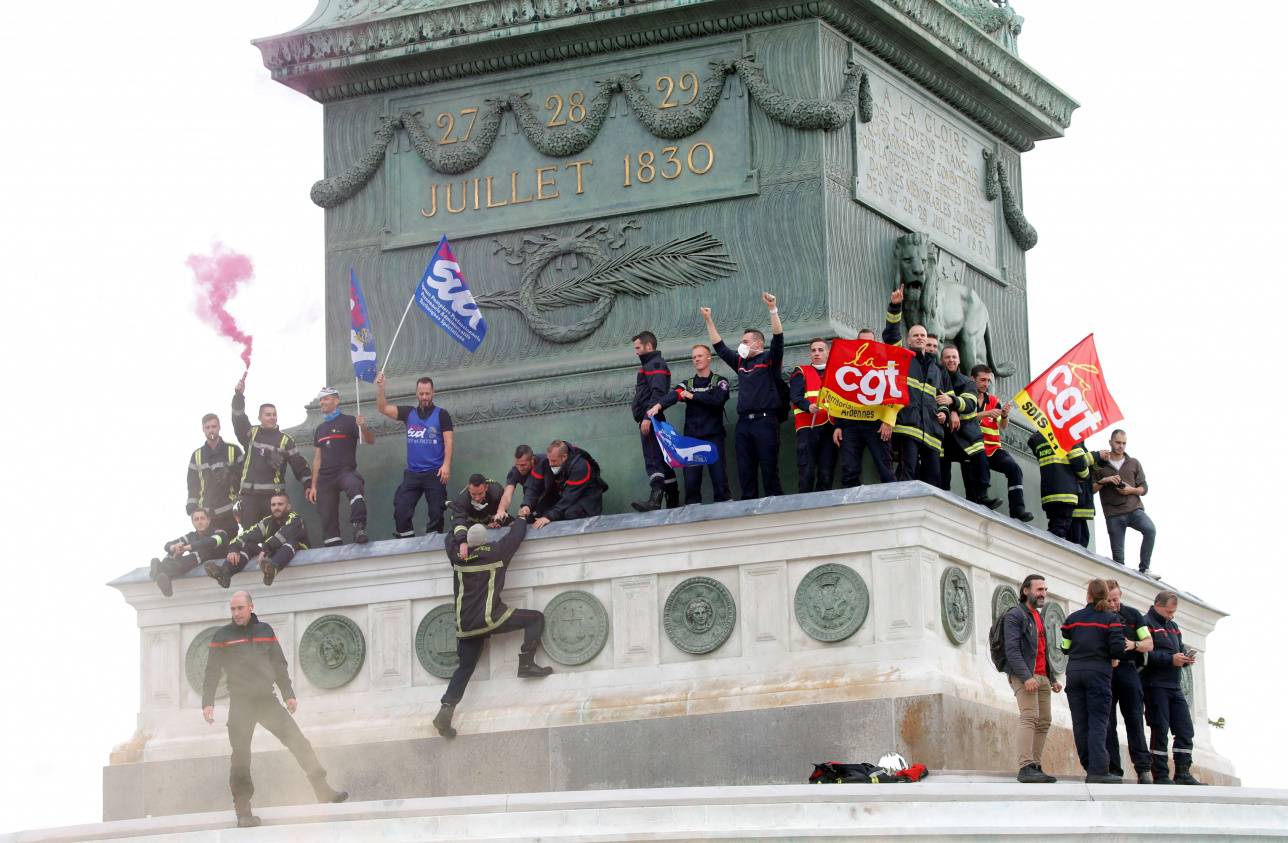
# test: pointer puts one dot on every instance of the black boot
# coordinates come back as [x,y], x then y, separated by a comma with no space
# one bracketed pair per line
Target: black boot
[325,793]
[443,721]
[653,503]
[1161,776]
[529,669]
[270,571]
[360,532]
[218,571]
[1030,774]
[1103,778]
[1144,777]
[154,567]
[163,583]
[991,503]
[1183,776]
[672,495]
[1049,779]
[245,819]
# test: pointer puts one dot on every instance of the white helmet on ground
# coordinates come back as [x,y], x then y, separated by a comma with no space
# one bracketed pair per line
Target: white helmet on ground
[892,762]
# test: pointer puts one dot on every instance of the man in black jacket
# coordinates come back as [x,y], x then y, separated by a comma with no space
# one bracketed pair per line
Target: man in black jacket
[1032,675]
[564,484]
[478,503]
[1166,709]
[919,428]
[248,653]
[273,543]
[704,396]
[652,383]
[479,567]
[1127,694]
[964,440]
[760,382]
[268,452]
[186,552]
[214,472]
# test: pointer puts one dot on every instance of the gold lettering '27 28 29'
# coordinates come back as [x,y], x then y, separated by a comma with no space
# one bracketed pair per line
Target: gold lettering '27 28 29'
[483,193]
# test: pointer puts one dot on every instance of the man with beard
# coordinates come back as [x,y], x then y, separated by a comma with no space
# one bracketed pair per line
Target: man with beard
[268,451]
[186,552]
[815,448]
[652,383]
[919,426]
[273,543]
[214,471]
[429,457]
[335,469]
[1032,676]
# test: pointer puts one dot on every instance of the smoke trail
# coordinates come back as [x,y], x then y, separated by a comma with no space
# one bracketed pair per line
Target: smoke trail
[218,276]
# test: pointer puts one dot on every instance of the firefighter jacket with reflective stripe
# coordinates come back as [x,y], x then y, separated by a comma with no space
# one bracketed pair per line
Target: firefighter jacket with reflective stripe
[1159,670]
[213,477]
[704,412]
[251,658]
[652,383]
[803,387]
[1083,463]
[1092,639]
[272,533]
[989,428]
[207,546]
[462,511]
[551,494]
[268,452]
[966,404]
[920,419]
[1059,474]
[479,578]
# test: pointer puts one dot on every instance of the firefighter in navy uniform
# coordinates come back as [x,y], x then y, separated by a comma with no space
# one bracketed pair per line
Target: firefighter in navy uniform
[760,400]
[335,469]
[564,484]
[1093,638]
[993,419]
[1060,476]
[273,543]
[1127,693]
[1166,709]
[815,448]
[704,395]
[964,440]
[186,552]
[478,503]
[479,567]
[515,479]
[430,441]
[214,471]
[248,653]
[652,383]
[919,427]
[1084,512]
[268,451]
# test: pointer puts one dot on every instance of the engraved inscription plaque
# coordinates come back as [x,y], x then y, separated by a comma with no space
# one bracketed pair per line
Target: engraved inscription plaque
[925,170]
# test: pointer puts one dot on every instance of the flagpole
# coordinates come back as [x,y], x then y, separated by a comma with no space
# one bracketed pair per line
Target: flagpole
[389,351]
[357,396]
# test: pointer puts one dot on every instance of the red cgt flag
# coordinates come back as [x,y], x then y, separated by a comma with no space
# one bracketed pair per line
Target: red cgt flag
[1070,401]
[862,374]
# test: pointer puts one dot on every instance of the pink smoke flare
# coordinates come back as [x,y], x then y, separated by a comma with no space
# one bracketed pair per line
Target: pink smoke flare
[218,276]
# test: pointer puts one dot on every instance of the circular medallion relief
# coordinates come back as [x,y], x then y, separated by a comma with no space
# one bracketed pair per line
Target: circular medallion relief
[332,650]
[699,615]
[956,604]
[194,663]
[1005,598]
[1052,619]
[831,602]
[436,642]
[576,627]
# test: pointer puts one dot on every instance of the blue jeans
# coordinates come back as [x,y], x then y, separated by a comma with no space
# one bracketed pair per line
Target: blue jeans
[1138,521]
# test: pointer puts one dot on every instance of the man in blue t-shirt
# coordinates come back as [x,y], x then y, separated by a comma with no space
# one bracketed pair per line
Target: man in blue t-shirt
[429,457]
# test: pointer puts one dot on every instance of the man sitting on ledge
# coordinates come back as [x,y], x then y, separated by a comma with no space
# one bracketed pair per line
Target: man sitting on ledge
[273,542]
[183,554]
[566,483]
[479,568]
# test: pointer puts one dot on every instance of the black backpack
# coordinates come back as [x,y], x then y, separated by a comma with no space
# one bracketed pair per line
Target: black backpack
[997,641]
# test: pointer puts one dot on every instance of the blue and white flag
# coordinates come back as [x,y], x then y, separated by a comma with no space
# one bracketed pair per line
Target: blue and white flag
[446,298]
[362,343]
[681,451]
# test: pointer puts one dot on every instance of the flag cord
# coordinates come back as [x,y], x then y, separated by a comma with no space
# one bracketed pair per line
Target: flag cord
[389,351]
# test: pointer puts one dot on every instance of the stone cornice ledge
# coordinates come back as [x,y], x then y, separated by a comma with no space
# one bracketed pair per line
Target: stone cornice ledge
[333,57]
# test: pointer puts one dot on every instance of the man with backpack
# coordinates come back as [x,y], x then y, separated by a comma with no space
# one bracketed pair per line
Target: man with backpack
[1018,645]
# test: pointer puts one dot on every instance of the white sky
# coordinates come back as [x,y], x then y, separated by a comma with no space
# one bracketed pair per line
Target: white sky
[140,132]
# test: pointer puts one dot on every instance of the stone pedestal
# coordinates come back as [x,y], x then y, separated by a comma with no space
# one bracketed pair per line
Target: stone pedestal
[711,649]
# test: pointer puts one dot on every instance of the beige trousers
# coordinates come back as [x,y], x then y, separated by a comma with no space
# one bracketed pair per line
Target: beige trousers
[1035,719]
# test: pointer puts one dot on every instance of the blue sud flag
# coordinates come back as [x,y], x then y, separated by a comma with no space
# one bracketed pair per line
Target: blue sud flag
[362,343]
[681,451]
[445,297]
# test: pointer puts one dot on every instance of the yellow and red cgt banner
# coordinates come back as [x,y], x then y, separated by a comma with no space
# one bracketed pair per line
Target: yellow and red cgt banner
[1070,401]
[861,375]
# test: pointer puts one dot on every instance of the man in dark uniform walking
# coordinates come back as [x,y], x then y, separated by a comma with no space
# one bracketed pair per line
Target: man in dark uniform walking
[652,383]
[478,568]
[269,451]
[248,653]
[704,395]
[214,471]
[335,469]
[429,457]
[760,383]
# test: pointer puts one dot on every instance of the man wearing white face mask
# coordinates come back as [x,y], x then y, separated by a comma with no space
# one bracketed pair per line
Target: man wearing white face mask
[566,483]
[760,384]
[478,503]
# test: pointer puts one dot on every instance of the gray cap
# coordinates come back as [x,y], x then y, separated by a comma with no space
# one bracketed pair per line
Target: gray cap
[476,535]
[328,390]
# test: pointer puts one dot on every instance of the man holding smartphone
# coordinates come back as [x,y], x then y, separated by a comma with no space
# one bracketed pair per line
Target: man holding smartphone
[1120,480]
[1166,709]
